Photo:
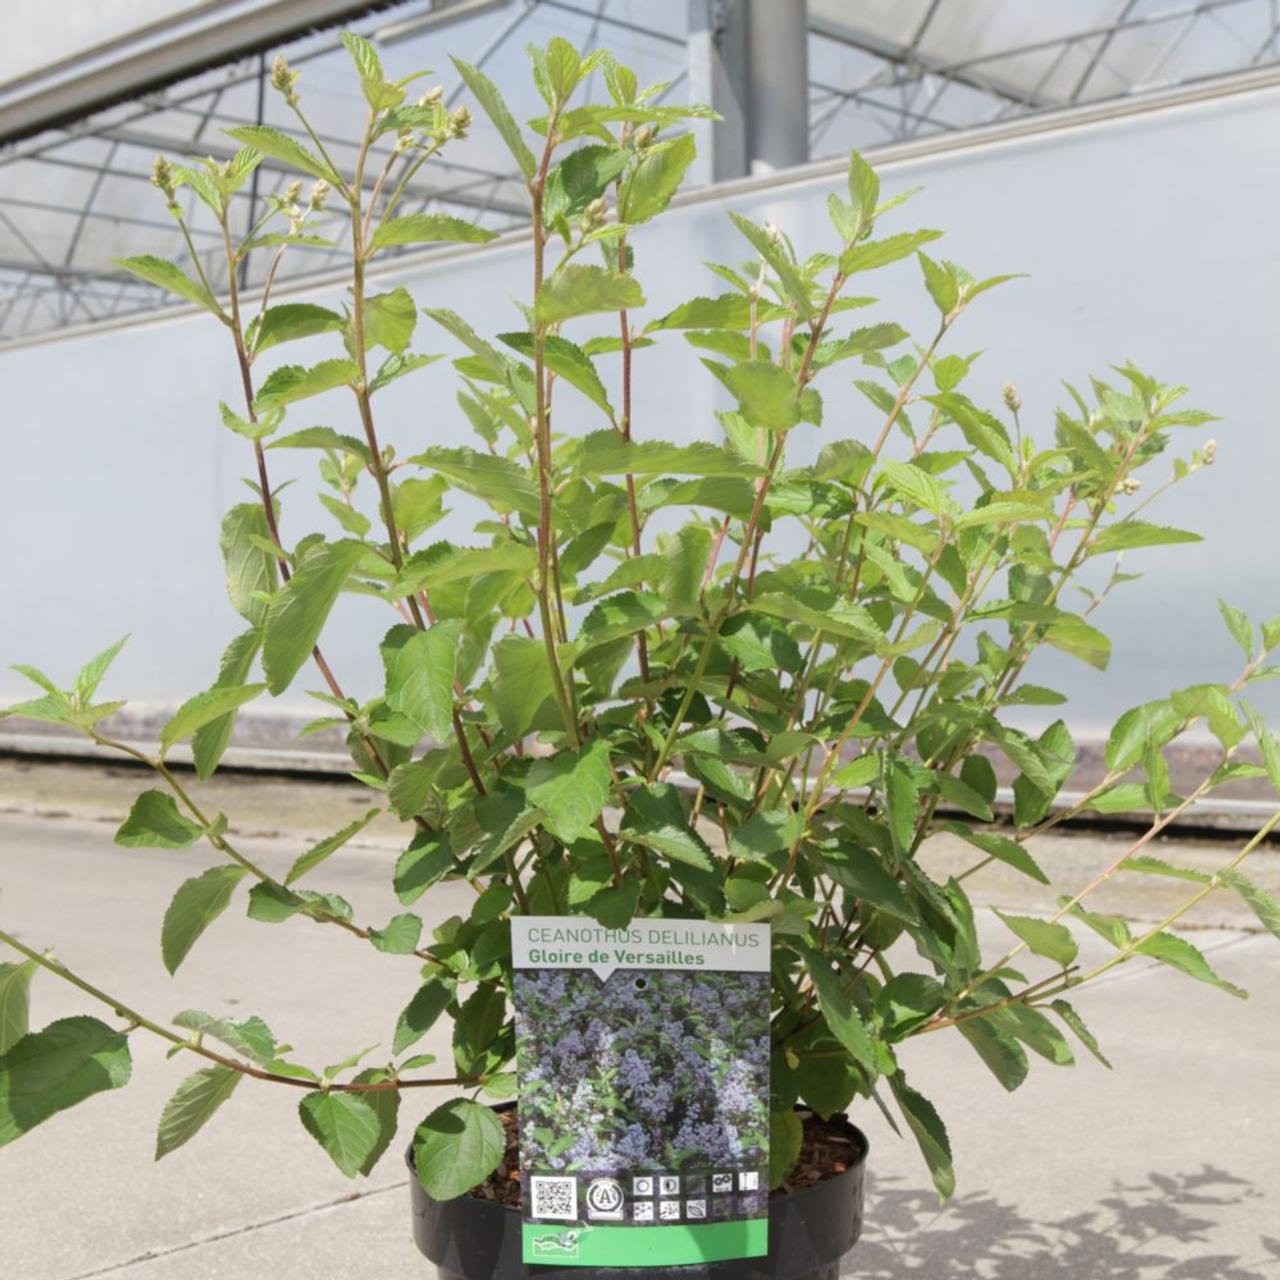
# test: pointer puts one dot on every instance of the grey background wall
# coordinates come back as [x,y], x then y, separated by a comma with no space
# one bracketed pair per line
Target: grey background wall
[1149,238]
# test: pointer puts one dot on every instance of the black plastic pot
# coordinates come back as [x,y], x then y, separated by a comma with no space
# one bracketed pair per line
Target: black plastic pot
[809,1232]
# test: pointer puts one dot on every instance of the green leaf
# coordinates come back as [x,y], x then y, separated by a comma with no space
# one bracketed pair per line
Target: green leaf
[840,618]
[192,1105]
[345,1125]
[867,255]
[686,563]
[400,937]
[1265,907]
[1239,625]
[915,485]
[421,1014]
[251,571]
[765,833]
[390,319]
[487,95]
[426,860]
[281,146]
[765,392]
[15,1002]
[929,1132]
[300,609]
[655,819]
[1001,848]
[579,290]
[325,848]
[656,179]
[200,710]
[51,1070]
[289,322]
[457,1147]
[168,275]
[1140,729]
[1180,954]
[499,482]
[521,683]
[568,362]
[859,871]
[728,311]
[605,453]
[837,1007]
[91,674]
[786,1136]
[1004,1056]
[154,822]
[790,279]
[292,382]
[441,563]
[907,1001]
[323,438]
[943,286]
[1075,636]
[386,1106]
[211,738]
[1082,1032]
[1126,534]
[197,904]
[1053,941]
[250,1037]
[571,788]
[420,678]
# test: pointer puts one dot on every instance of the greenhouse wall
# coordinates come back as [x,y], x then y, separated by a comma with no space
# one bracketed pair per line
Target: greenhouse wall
[1149,238]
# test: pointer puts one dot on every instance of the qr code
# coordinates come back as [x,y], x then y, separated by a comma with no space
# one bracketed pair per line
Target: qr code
[555,1198]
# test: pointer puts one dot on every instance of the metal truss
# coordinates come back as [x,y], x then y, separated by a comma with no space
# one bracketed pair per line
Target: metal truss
[77,196]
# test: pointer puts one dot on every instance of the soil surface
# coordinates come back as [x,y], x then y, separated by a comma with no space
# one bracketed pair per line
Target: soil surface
[829,1149]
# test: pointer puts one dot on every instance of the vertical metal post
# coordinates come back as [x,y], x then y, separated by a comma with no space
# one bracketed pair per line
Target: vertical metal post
[749,60]
[777,84]
[718,77]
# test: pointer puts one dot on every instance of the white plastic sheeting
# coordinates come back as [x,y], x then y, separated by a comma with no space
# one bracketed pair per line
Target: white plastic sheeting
[1149,238]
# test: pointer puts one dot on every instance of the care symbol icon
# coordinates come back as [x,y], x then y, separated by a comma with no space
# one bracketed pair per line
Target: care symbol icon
[604,1199]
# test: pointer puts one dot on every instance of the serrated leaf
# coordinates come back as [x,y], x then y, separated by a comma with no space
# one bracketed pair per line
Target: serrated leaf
[571,788]
[657,177]
[1001,848]
[281,146]
[421,1014]
[250,1037]
[931,1134]
[1082,1032]
[1180,954]
[192,1106]
[1045,938]
[325,848]
[210,739]
[578,290]
[48,1071]
[838,1009]
[421,675]
[154,822]
[498,481]
[456,1147]
[1265,907]
[293,382]
[198,711]
[568,362]
[169,276]
[400,937]
[290,321]
[495,107]
[300,609]
[1127,534]
[197,904]
[1004,1056]
[344,1124]
[521,683]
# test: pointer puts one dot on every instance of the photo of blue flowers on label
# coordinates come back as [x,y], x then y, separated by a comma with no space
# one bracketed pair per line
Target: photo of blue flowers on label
[644,1090]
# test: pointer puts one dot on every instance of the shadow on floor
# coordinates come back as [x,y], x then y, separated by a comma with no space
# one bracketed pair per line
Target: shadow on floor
[1158,1229]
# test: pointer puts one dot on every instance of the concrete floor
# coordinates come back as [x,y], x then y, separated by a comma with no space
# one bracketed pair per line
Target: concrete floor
[1166,1168]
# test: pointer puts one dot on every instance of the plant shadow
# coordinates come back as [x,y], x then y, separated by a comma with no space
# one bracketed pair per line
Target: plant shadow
[1161,1228]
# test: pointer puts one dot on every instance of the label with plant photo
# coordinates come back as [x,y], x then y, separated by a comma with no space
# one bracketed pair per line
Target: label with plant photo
[643,1056]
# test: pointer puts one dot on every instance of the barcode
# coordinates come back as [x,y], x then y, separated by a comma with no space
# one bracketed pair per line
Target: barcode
[555,1198]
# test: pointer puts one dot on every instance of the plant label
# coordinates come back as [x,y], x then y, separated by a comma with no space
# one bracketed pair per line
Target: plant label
[643,1059]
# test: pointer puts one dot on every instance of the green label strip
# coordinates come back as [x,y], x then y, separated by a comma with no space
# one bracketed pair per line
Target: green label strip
[673,1245]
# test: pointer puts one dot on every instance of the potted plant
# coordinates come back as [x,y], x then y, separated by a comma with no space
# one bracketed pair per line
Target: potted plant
[663,678]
